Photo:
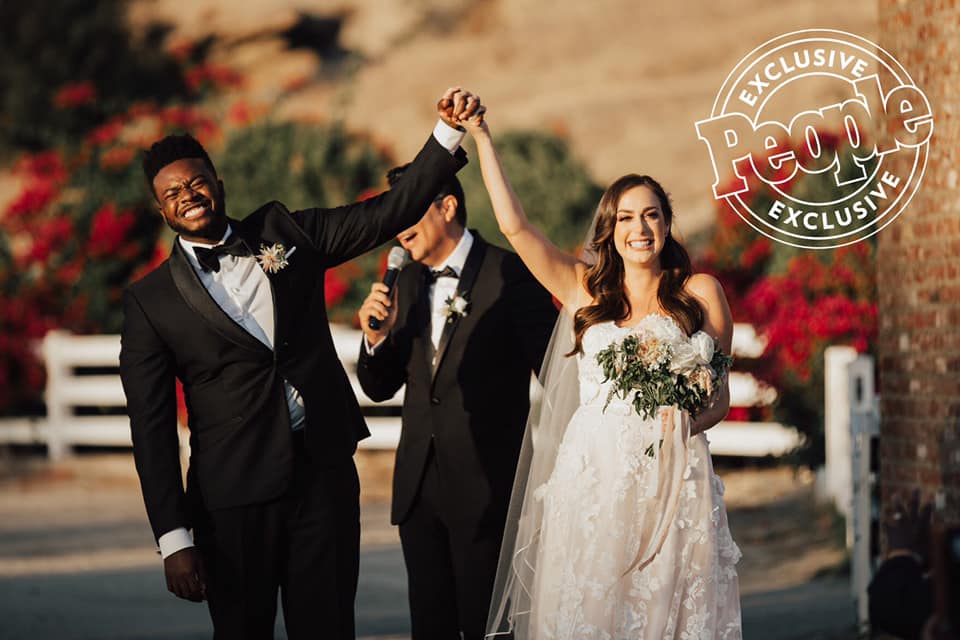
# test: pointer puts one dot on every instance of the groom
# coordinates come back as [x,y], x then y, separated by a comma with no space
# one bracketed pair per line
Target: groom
[465,329]
[237,315]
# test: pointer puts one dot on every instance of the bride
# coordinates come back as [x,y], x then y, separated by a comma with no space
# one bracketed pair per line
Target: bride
[606,540]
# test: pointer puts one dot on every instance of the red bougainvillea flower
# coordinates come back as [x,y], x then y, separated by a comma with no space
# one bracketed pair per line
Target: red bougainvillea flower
[160,253]
[106,134]
[32,200]
[239,114]
[807,308]
[50,238]
[141,109]
[44,173]
[75,94]
[48,165]
[334,287]
[108,230]
[758,251]
[70,273]
[213,76]
[117,158]
[204,128]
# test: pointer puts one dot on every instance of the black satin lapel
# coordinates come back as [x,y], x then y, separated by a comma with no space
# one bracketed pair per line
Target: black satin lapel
[280,290]
[198,298]
[467,277]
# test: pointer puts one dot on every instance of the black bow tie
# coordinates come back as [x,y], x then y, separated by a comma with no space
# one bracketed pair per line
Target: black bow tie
[209,258]
[435,274]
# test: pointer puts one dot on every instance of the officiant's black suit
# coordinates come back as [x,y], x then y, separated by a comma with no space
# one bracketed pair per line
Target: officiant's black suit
[244,461]
[463,423]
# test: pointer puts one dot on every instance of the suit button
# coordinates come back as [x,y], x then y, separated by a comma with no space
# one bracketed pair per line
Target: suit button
[434,400]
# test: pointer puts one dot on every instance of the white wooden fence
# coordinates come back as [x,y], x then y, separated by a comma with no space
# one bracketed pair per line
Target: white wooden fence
[69,390]
[851,430]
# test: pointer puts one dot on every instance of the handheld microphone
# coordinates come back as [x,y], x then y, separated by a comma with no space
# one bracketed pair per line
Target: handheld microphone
[397,259]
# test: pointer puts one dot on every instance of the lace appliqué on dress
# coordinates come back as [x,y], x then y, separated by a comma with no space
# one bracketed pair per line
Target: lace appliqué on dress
[595,509]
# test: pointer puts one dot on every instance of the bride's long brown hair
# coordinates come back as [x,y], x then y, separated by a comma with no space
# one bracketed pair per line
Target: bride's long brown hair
[604,278]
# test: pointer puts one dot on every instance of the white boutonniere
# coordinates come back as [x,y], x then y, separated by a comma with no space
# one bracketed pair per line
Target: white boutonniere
[455,307]
[274,258]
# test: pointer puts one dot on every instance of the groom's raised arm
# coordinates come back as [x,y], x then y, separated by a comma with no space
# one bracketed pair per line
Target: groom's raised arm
[345,232]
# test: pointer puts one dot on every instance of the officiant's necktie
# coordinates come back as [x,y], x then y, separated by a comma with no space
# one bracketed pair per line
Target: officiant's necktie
[209,258]
[435,274]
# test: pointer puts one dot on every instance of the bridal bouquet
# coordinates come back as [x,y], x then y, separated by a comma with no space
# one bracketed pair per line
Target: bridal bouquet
[660,365]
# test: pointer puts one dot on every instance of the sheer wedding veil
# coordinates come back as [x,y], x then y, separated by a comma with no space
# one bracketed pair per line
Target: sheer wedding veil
[550,412]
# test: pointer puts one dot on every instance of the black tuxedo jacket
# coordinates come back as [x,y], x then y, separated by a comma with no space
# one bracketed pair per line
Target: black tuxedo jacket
[241,446]
[472,405]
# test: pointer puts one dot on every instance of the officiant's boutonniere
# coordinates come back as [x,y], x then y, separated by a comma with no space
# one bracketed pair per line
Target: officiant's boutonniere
[455,307]
[274,258]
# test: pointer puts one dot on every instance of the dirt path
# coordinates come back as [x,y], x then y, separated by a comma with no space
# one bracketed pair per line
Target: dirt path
[786,538]
[79,527]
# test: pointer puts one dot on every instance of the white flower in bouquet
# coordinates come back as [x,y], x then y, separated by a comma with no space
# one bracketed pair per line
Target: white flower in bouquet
[703,377]
[658,365]
[685,359]
[662,329]
[705,345]
[691,354]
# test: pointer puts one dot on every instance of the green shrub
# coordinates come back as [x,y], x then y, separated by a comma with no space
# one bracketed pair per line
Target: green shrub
[299,164]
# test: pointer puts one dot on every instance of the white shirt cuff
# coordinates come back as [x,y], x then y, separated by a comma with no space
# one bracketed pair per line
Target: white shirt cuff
[371,350]
[173,541]
[447,136]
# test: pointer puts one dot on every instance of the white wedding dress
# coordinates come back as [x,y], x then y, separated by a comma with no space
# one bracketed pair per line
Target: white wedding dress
[599,506]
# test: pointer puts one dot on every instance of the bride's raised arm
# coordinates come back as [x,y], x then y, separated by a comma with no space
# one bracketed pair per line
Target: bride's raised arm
[559,272]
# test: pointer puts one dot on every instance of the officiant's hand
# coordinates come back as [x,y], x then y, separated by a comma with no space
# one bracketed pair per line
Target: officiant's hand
[457,105]
[186,575]
[382,307]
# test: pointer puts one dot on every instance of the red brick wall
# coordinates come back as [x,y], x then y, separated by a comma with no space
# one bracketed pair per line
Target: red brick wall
[919,271]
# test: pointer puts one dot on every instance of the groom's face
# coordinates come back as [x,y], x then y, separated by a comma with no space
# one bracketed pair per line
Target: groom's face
[191,199]
[432,239]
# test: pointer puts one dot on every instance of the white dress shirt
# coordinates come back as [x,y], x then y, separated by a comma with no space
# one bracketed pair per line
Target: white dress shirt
[444,288]
[242,290]
[439,291]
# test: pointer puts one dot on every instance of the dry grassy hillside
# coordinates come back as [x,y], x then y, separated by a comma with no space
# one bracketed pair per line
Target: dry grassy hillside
[624,79]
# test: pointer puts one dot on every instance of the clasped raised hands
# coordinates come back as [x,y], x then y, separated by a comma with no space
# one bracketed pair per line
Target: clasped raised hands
[459,108]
